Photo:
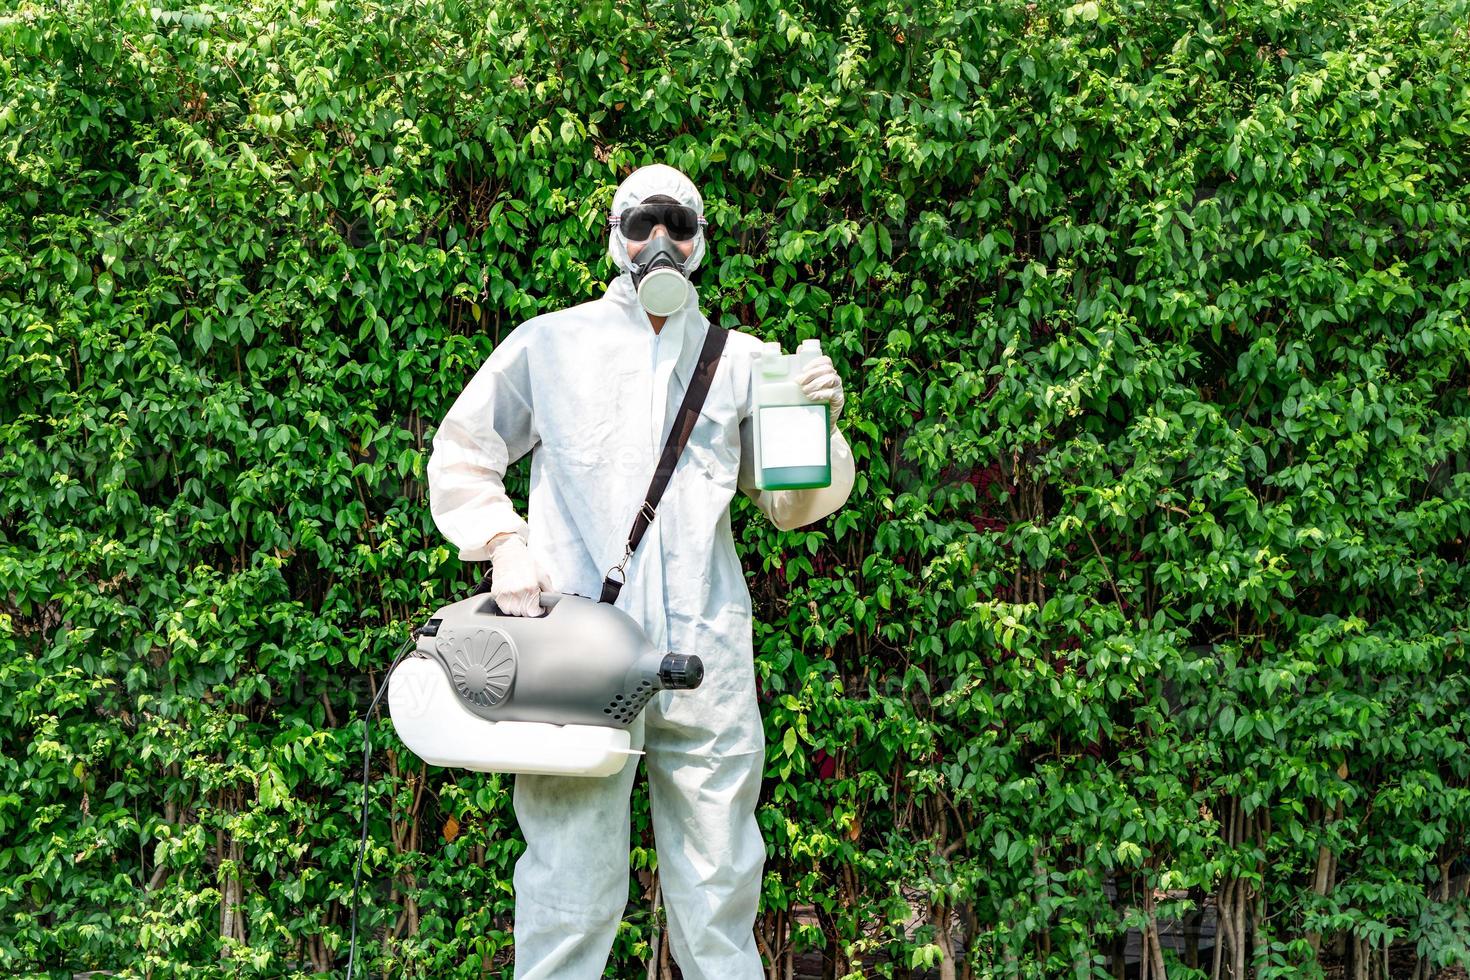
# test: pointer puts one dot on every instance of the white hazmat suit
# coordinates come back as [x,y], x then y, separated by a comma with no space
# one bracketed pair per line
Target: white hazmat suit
[591,392]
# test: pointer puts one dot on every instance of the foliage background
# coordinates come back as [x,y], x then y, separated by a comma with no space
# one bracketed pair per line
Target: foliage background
[1153,591]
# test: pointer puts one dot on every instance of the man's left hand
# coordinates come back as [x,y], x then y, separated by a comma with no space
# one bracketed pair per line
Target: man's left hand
[820,382]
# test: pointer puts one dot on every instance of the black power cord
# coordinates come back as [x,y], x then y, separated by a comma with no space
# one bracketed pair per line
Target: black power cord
[367,750]
[429,628]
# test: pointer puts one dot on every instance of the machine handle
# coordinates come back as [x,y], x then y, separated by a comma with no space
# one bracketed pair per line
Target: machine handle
[548,603]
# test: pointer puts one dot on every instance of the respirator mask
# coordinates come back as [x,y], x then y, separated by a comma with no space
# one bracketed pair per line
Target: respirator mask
[659,274]
[659,277]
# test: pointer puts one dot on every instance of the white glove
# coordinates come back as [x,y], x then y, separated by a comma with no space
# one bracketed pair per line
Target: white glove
[821,383]
[517,580]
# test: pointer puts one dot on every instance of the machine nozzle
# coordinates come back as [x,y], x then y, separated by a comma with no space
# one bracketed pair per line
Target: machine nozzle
[680,672]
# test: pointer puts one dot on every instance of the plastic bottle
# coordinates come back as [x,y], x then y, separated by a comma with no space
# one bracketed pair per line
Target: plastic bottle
[792,448]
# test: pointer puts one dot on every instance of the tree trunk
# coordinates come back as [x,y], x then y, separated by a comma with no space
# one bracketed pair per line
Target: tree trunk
[763,943]
[655,964]
[232,923]
[1227,937]
[1242,896]
[944,940]
[967,940]
[1360,958]
[1322,880]
[1151,956]
[1193,922]
[790,969]
[832,944]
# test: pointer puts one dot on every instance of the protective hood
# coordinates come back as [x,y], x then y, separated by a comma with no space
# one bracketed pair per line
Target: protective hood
[638,187]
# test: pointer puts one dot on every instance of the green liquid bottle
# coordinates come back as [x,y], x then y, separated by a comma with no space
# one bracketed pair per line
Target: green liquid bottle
[792,448]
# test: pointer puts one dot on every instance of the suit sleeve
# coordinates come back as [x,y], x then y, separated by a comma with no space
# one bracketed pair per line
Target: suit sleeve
[489,426]
[789,509]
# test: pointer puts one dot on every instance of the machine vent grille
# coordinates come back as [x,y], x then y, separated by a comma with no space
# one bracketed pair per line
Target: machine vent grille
[623,708]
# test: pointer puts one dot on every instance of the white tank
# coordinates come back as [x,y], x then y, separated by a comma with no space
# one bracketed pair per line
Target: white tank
[431,720]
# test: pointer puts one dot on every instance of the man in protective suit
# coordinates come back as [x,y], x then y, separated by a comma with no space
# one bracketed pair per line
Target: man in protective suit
[591,392]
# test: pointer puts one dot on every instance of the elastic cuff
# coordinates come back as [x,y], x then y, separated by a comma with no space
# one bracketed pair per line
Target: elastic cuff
[481,551]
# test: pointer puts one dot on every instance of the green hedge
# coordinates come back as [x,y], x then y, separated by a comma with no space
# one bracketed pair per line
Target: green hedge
[1152,592]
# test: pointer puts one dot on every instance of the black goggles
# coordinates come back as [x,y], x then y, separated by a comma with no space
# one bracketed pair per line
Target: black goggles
[637,223]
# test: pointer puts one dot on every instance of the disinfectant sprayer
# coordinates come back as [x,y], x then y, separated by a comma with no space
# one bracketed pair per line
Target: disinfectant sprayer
[551,694]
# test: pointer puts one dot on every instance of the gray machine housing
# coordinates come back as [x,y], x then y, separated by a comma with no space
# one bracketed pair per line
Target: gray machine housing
[582,662]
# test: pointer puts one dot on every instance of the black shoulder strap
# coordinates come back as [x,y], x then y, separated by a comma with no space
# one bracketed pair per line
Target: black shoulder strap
[699,382]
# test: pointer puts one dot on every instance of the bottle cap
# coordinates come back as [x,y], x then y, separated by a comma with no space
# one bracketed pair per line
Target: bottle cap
[771,359]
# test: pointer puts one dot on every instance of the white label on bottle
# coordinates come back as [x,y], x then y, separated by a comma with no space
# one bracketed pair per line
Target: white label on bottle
[794,435]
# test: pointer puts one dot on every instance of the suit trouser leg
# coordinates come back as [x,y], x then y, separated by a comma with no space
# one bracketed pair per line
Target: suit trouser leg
[710,856]
[571,884]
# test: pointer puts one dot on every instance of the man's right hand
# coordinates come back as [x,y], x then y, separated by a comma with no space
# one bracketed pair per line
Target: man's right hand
[516,580]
